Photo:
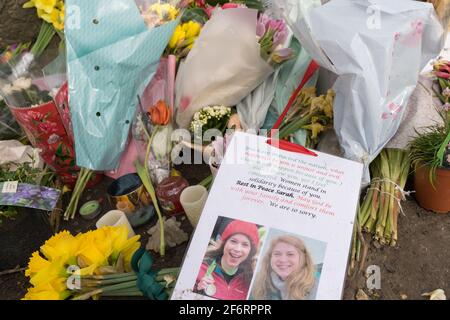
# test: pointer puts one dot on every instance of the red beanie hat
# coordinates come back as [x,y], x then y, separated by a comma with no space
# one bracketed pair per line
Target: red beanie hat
[246,228]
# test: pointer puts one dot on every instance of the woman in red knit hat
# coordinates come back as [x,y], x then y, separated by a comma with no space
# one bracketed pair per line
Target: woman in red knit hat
[226,271]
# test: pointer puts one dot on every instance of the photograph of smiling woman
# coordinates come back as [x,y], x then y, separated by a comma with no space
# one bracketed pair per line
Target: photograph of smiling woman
[287,272]
[227,269]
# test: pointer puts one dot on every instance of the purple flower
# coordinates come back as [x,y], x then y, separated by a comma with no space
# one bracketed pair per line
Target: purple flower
[49,194]
[279,38]
[446,107]
[262,25]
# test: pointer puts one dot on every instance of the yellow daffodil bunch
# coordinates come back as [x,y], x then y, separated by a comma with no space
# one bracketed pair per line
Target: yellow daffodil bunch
[104,251]
[183,38]
[309,112]
[51,11]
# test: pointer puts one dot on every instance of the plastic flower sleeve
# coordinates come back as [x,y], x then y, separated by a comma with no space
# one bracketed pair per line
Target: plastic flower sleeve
[223,66]
[29,97]
[377,58]
[109,64]
[160,89]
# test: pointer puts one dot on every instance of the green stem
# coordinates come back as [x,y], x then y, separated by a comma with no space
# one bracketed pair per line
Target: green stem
[294,126]
[108,276]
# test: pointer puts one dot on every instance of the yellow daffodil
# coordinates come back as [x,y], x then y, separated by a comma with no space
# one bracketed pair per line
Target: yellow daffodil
[328,105]
[53,273]
[35,264]
[128,255]
[44,15]
[54,290]
[46,293]
[89,252]
[178,36]
[57,19]
[315,128]
[62,244]
[120,241]
[51,11]
[45,5]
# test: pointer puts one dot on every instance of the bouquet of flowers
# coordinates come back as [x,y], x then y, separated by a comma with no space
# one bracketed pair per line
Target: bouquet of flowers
[31,102]
[183,39]
[93,264]
[50,11]
[309,112]
[272,34]
[224,65]
[212,117]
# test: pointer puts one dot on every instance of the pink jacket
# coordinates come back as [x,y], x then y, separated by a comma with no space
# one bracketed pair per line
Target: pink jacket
[236,289]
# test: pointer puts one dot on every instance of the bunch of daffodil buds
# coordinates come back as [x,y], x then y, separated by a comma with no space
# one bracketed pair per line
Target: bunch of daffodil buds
[310,112]
[183,39]
[212,117]
[51,11]
[64,257]
[158,13]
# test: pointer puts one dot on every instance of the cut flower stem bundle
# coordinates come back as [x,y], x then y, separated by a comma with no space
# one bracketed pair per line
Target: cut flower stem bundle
[83,179]
[378,212]
[381,206]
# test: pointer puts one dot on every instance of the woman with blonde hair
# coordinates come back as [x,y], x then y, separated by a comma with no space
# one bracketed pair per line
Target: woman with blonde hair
[287,272]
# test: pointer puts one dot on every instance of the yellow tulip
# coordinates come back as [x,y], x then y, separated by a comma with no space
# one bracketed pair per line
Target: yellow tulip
[62,244]
[192,29]
[178,36]
[36,264]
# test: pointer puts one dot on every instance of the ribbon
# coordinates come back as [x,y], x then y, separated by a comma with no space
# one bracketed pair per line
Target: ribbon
[142,263]
[403,193]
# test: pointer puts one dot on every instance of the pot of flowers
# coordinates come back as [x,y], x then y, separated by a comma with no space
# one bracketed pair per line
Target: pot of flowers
[430,151]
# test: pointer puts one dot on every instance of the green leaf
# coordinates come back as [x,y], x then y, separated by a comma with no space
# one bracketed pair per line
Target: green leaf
[195,14]
[254,4]
[59,150]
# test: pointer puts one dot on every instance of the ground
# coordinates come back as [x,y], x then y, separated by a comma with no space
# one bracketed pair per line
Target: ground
[420,263]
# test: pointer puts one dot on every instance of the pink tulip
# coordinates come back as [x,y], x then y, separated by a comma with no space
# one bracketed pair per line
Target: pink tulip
[443,75]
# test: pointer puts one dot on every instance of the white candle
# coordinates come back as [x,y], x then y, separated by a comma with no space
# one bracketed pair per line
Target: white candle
[115,218]
[193,200]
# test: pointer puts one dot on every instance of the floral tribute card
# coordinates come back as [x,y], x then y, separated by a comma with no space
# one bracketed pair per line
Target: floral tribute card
[28,195]
[277,225]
